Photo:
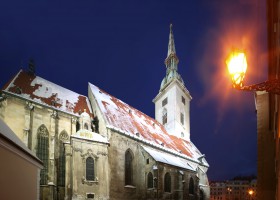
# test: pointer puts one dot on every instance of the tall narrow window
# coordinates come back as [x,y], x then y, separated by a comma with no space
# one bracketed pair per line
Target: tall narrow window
[90,169]
[150,180]
[167,183]
[164,102]
[164,116]
[182,118]
[61,159]
[128,168]
[77,126]
[191,186]
[183,100]
[43,152]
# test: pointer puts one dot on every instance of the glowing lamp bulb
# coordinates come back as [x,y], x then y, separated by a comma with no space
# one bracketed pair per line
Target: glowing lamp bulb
[251,192]
[237,66]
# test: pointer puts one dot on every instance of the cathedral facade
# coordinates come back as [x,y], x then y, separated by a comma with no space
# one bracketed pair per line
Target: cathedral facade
[98,147]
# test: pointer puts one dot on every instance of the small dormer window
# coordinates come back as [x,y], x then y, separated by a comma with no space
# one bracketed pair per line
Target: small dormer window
[18,90]
[164,102]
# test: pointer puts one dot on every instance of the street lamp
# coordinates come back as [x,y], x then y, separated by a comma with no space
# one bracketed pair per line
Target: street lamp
[250,192]
[237,66]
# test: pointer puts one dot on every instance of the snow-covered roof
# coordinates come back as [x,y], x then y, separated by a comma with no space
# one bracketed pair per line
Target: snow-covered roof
[44,92]
[8,134]
[169,159]
[124,118]
[88,135]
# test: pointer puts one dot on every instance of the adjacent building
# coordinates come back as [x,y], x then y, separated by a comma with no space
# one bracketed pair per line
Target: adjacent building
[233,190]
[98,147]
[267,106]
[20,168]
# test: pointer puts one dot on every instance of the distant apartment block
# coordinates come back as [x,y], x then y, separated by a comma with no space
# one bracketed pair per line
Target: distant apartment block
[233,190]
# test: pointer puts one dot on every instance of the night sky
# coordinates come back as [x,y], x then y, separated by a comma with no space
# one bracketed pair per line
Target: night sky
[120,46]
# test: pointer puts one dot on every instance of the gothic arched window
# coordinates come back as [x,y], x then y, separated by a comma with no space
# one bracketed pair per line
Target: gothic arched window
[164,116]
[90,169]
[191,186]
[167,183]
[43,152]
[61,159]
[150,180]
[128,168]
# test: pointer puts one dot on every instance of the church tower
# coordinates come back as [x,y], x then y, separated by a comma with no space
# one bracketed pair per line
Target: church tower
[172,104]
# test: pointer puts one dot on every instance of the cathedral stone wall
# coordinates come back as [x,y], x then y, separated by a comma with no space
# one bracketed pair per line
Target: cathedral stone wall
[118,190]
[26,119]
[82,149]
[143,164]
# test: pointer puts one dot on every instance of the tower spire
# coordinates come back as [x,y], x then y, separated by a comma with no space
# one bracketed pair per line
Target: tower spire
[171,44]
[171,63]
[172,104]
[172,60]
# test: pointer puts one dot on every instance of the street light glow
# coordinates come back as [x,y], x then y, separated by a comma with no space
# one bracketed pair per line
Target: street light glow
[237,66]
[251,192]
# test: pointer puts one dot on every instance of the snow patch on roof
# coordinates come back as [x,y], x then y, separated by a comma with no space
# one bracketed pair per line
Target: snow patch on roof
[169,159]
[45,92]
[92,136]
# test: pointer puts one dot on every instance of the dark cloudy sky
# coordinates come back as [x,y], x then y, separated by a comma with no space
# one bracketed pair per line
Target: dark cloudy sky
[120,46]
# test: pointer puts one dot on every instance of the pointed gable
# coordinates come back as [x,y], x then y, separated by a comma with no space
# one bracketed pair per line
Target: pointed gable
[39,90]
[124,118]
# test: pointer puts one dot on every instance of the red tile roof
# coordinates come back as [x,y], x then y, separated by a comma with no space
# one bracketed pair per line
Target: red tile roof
[125,118]
[44,92]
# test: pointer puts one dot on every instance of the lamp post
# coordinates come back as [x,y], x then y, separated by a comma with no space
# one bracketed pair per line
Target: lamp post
[237,66]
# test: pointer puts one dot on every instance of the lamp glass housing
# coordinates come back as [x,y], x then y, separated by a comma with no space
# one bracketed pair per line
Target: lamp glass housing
[237,66]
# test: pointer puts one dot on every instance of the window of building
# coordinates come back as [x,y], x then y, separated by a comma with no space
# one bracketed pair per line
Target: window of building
[182,118]
[183,100]
[147,161]
[128,168]
[182,134]
[150,180]
[43,152]
[164,116]
[191,186]
[86,126]
[90,169]
[61,159]
[167,183]
[61,165]
[164,102]
[90,196]
[77,126]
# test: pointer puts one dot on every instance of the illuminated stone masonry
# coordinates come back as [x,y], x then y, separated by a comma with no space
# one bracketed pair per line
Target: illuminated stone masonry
[98,147]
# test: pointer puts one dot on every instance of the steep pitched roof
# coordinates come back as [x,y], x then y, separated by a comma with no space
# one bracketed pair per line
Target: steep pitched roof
[122,117]
[44,92]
